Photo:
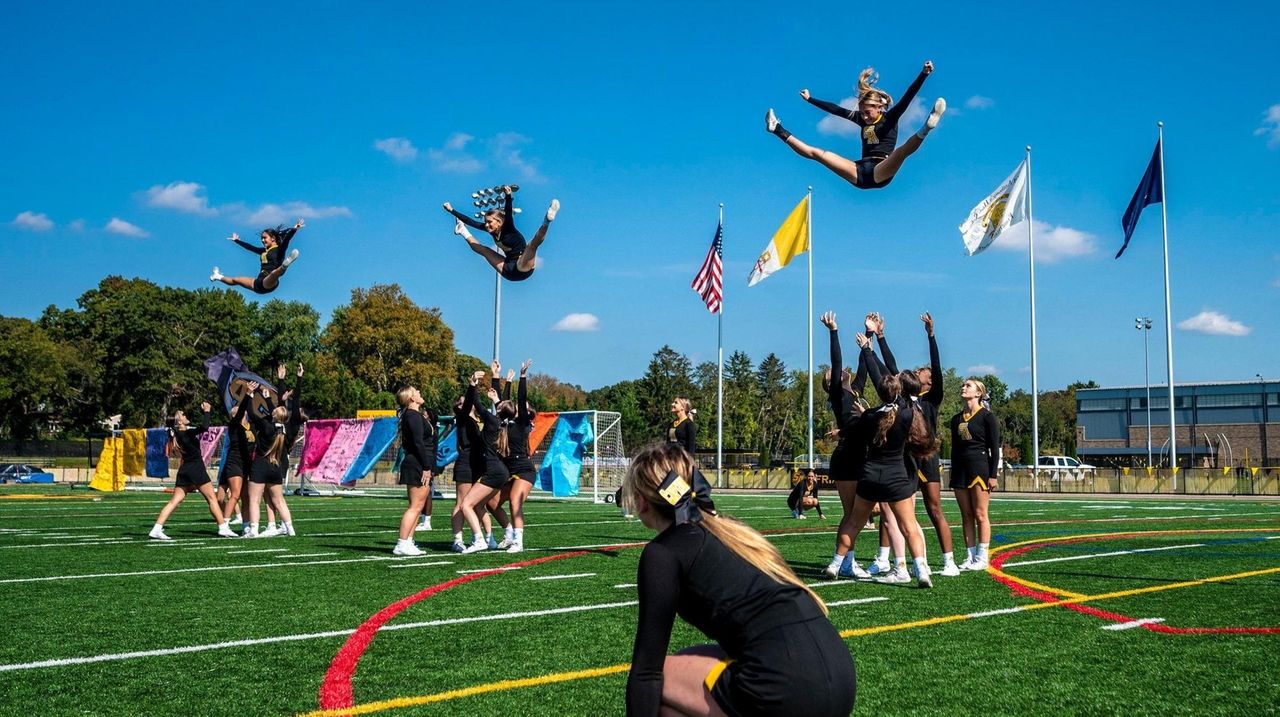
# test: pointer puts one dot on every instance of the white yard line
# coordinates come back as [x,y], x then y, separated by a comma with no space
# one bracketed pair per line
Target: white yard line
[1102,555]
[117,656]
[306,555]
[563,577]
[211,568]
[1133,623]
[264,550]
[422,565]
[858,601]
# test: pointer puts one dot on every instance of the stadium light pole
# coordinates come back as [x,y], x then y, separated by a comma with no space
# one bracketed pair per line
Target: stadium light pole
[1262,388]
[1143,324]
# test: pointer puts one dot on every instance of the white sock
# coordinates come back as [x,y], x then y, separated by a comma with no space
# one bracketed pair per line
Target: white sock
[224,524]
[973,553]
[982,551]
[922,566]
[900,562]
[157,526]
[488,535]
[255,527]
[519,535]
[883,555]
[948,558]
[457,537]
[288,527]
[509,533]
[475,538]
[837,560]
[426,520]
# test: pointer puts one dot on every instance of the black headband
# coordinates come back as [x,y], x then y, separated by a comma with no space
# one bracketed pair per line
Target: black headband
[688,501]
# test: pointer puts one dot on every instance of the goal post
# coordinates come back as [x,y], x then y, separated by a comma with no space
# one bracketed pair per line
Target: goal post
[604,462]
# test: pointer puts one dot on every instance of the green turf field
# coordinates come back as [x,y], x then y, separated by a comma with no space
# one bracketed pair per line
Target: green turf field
[101,620]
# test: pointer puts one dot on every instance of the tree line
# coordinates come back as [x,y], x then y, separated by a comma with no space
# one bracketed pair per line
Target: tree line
[137,349]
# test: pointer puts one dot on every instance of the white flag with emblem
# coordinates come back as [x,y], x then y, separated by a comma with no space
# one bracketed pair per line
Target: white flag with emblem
[1003,208]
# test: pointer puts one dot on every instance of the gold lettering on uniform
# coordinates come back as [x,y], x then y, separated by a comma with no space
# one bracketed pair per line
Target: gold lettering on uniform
[963,430]
[869,134]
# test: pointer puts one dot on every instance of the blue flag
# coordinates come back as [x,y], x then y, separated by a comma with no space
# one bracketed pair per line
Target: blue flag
[1150,191]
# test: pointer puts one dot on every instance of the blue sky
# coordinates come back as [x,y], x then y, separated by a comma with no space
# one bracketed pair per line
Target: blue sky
[641,118]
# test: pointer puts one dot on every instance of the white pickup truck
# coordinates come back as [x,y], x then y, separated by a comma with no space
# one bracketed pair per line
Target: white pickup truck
[1065,467]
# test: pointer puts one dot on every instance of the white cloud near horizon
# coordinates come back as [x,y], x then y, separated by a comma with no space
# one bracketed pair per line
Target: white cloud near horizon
[399,149]
[982,369]
[1270,126]
[123,228]
[506,149]
[1214,323]
[181,196]
[454,157]
[77,225]
[578,322]
[978,102]
[272,213]
[33,221]
[1053,243]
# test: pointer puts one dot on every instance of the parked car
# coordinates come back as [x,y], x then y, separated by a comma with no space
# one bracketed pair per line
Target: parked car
[23,473]
[1065,466]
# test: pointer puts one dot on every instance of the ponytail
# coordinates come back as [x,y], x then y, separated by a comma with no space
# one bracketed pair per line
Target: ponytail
[503,447]
[277,448]
[886,422]
[921,439]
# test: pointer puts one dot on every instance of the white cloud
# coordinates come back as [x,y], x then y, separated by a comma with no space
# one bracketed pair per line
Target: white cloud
[1270,127]
[982,369]
[978,102]
[77,226]
[271,213]
[454,157]
[506,150]
[398,148]
[180,196]
[578,322]
[839,126]
[33,222]
[1214,323]
[1053,243]
[120,226]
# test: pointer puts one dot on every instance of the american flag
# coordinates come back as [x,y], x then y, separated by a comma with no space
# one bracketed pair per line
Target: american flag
[709,283]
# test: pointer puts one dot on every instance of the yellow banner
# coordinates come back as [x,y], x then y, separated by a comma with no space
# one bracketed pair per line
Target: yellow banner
[109,474]
[376,413]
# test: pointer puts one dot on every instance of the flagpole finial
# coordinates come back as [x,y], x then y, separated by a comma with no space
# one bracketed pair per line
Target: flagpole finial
[1159,124]
[1028,149]
[810,187]
[722,205]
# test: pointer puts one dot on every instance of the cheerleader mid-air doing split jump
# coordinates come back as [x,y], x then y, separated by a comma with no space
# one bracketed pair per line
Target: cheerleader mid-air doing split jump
[877,116]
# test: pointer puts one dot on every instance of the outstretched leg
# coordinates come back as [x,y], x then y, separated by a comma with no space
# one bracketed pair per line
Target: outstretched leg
[494,258]
[528,258]
[886,170]
[845,168]
[243,282]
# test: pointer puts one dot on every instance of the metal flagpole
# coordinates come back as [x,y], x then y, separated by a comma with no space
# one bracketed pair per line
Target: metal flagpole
[497,313]
[1168,314]
[809,317]
[720,365]
[1035,376]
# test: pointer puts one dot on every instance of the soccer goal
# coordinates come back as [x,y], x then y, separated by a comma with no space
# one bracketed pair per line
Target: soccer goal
[603,461]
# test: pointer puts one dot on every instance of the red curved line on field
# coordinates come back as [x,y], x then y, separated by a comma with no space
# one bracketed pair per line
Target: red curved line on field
[998,562]
[335,691]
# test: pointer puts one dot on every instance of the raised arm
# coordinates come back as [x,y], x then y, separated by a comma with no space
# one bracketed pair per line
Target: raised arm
[469,221]
[890,363]
[522,401]
[248,246]
[934,395]
[904,101]
[205,408]
[659,590]
[295,409]
[829,107]
[835,392]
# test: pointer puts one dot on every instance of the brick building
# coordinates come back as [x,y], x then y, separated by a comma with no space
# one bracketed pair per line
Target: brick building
[1229,423]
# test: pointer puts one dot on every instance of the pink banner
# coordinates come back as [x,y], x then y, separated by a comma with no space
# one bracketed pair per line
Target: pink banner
[343,450]
[316,440]
[210,442]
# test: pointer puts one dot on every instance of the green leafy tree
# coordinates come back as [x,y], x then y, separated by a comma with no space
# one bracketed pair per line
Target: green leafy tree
[668,376]
[389,342]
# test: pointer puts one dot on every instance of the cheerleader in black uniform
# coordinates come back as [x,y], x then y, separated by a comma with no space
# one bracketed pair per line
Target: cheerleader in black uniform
[775,651]
[878,120]
[975,459]
[275,258]
[889,430]
[494,439]
[518,259]
[517,419]
[192,475]
[804,495]
[467,470]
[418,438]
[683,431]
[850,453]
[275,436]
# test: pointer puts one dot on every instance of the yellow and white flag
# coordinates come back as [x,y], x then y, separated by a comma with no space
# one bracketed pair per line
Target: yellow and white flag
[791,239]
[1002,209]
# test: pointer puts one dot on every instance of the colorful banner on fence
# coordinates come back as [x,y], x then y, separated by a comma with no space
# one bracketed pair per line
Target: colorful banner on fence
[315,442]
[157,452]
[210,442]
[134,451]
[382,433]
[346,445]
[562,467]
[109,473]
